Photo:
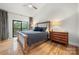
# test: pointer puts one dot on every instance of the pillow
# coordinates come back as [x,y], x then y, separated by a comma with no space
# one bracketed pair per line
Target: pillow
[36,29]
[42,29]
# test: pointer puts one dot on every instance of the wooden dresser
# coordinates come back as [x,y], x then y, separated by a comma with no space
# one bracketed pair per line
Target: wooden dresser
[61,37]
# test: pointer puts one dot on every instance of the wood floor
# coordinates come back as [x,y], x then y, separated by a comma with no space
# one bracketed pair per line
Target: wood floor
[11,47]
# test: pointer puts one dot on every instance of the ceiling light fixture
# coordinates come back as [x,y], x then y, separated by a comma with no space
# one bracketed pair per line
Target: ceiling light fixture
[31,6]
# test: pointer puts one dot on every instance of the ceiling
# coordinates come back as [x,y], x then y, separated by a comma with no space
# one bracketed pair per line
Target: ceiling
[44,11]
[20,8]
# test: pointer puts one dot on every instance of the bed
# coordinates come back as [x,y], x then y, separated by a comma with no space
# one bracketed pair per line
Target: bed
[31,38]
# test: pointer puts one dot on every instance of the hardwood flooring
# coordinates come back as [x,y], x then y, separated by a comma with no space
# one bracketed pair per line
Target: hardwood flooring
[12,47]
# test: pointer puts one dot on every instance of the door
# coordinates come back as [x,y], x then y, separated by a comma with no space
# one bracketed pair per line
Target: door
[19,26]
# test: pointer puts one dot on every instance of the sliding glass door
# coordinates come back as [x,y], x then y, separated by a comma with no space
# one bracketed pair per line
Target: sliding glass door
[24,26]
[19,26]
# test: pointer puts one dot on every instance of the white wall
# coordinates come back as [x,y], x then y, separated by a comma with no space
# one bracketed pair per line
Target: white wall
[70,25]
[14,16]
[67,14]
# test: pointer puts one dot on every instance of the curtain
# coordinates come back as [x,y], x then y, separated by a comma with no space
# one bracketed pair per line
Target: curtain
[3,25]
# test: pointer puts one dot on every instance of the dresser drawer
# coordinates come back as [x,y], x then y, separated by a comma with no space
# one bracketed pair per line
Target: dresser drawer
[64,34]
[61,41]
[59,38]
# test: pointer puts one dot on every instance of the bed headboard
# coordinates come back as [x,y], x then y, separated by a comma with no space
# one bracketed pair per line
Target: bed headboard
[44,24]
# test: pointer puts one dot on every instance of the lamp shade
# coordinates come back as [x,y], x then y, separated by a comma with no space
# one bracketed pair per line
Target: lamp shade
[56,23]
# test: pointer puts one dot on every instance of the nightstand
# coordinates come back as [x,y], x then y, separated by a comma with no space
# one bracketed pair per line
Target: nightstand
[61,37]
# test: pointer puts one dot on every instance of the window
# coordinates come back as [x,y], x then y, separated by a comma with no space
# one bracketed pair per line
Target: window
[19,26]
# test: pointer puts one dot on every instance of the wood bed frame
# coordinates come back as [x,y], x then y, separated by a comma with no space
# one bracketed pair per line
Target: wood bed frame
[25,47]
